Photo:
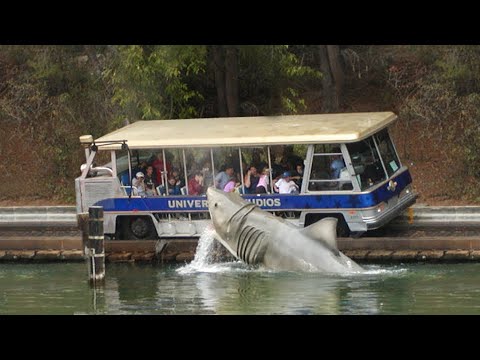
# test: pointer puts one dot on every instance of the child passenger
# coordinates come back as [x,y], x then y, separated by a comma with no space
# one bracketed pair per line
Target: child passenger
[263,181]
[286,185]
[231,184]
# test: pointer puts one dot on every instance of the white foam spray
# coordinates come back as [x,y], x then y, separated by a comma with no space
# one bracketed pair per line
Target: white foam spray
[205,259]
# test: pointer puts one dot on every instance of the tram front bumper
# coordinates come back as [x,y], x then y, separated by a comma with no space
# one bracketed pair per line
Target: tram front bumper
[384,217]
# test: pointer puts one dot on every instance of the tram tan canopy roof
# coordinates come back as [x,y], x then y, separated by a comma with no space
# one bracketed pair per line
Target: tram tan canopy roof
[245,131]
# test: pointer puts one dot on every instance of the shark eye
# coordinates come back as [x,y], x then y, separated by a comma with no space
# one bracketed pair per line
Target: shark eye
[216,204]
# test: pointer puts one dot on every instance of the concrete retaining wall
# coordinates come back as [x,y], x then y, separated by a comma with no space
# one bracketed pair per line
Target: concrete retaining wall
[415,216]
[38,216]
[69,248]
[439,216]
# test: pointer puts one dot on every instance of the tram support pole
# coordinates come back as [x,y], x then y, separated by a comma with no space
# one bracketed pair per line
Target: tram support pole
[96,246]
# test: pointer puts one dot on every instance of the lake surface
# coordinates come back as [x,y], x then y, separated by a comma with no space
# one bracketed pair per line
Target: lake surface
[234,288]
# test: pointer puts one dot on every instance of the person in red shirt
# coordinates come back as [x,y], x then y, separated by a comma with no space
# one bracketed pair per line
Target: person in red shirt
[159,168]
[195,184]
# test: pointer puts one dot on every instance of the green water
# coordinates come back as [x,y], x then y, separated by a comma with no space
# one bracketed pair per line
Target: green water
[234,289]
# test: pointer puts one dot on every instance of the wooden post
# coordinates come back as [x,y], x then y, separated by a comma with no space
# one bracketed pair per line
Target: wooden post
[96,246]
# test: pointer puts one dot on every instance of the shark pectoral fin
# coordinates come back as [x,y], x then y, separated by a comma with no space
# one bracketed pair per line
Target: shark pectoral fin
[324,231]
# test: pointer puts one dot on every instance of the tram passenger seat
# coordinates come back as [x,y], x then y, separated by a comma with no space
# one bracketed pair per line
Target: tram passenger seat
[161,190]
[127,189]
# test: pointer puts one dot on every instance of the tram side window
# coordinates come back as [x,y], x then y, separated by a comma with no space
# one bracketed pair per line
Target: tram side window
[226,158]
[387,151]
[199,170]
[175,177]
[256,177]
[328,170]
[366,163]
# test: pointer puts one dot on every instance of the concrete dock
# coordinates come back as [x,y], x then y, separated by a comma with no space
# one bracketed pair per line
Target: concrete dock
[183,250]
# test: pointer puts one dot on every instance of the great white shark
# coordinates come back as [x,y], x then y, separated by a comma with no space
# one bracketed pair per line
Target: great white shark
[257,237]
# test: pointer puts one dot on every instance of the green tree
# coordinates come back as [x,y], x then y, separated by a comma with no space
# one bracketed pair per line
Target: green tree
[188,81]
[150,82]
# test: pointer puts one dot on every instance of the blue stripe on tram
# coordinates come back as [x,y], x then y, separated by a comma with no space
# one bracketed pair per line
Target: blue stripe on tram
[265,201]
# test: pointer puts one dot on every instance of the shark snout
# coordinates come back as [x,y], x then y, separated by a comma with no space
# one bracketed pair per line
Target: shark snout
[213,196]
[218,212]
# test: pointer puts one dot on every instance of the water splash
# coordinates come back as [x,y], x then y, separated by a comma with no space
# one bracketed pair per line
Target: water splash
[206,260]
[203,253]
[382,270]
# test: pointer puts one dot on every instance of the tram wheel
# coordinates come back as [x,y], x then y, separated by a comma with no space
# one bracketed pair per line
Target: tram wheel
[139,228]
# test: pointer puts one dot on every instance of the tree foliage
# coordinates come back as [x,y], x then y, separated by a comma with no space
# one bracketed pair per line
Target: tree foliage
[159,82]
[150,82]
[437,89]
[50,95]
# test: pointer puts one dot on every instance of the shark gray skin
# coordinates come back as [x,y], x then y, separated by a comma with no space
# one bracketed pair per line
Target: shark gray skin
[259,238]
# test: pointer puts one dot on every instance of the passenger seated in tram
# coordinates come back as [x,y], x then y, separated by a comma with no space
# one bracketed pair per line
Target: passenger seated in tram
[339,171]
[223,177]
[298,175]
[195,184]
[263,181]
[159,168]
[141,167]
[150,184]
[232,184]
[251,180]
[139,182]
[177,175]
[207,174]
[174,187]
[337,164]
[286,185]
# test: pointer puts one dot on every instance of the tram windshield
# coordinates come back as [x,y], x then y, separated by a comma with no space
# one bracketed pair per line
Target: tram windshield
[371,166]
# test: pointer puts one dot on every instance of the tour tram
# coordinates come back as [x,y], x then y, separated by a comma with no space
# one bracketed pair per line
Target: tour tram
[345,166]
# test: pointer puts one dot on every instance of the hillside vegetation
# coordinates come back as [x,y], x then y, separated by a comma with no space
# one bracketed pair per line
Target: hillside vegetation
[50,95]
